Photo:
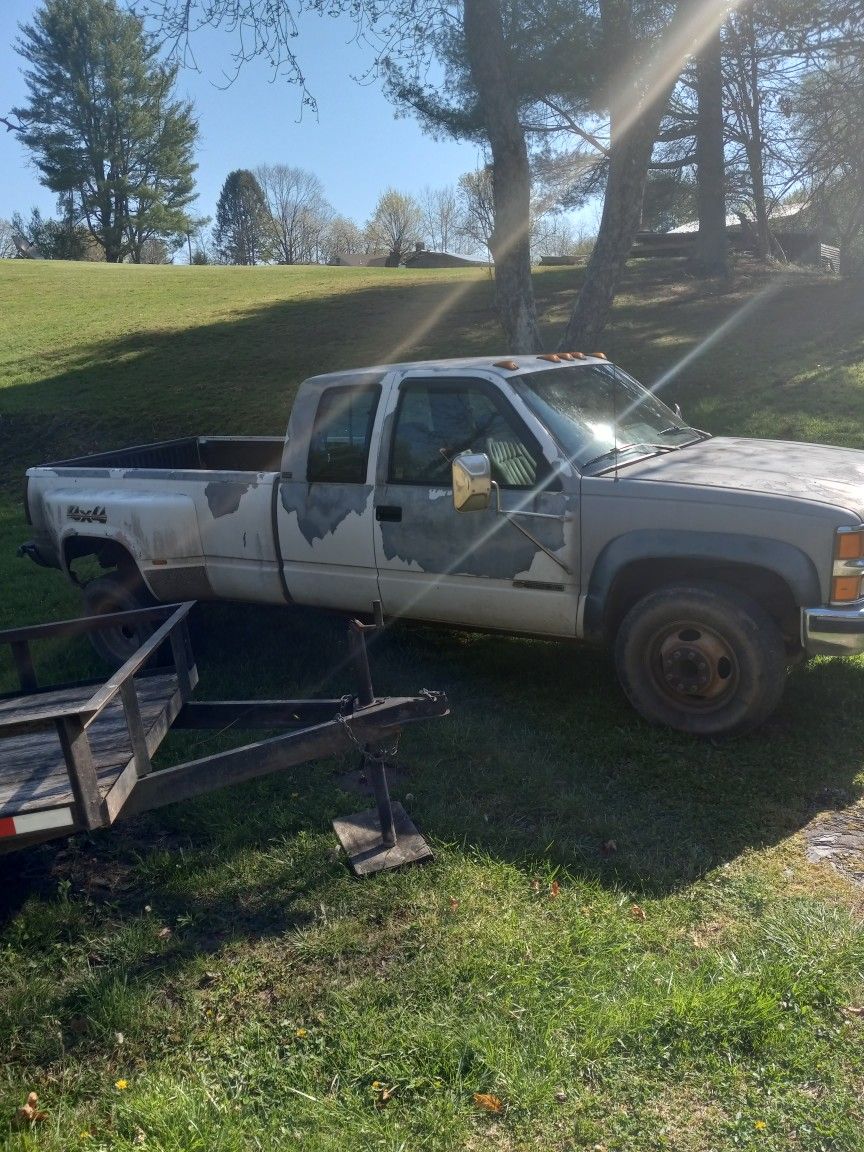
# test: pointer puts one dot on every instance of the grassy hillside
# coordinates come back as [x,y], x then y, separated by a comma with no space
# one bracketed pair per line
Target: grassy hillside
[621,939]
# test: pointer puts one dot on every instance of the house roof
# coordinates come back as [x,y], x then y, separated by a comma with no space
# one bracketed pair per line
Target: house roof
[733,220]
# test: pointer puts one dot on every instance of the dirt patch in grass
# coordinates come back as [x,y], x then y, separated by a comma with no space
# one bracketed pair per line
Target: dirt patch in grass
[838,838]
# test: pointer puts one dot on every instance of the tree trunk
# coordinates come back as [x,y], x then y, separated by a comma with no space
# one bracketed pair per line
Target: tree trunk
[710,257]
[755,145]
[622,214]
[511,176]
[636,108]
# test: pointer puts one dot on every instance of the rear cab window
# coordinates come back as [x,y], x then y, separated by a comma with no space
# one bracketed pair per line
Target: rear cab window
[342,433]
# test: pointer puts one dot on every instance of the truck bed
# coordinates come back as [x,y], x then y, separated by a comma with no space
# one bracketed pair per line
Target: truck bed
[191,453]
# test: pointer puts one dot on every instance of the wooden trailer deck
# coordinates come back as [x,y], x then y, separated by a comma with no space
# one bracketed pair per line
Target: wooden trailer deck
[33,772]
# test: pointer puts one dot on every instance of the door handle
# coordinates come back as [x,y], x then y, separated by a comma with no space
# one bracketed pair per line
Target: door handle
[389,512]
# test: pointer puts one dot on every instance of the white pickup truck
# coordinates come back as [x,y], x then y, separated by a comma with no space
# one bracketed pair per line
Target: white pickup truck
[543,495]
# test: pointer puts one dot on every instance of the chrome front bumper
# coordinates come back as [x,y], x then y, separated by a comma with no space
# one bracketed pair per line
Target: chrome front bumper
[833,631]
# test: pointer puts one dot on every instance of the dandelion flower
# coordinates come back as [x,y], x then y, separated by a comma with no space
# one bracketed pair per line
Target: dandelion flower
[759,1125]
[121,1085]
[300,1033]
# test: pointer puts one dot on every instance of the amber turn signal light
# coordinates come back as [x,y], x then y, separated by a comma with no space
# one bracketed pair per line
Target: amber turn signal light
[845,588]
[850,546]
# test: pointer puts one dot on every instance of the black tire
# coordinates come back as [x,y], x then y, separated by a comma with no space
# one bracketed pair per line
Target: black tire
[700,658]
[116,594]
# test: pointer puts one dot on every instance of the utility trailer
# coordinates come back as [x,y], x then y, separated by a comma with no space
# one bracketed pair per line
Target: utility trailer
[79,756]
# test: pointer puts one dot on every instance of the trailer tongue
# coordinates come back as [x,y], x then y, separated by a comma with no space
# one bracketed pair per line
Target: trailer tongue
[80,756]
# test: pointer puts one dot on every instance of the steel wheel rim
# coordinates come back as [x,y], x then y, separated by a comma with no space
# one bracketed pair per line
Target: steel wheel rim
[694,666]
[123,641]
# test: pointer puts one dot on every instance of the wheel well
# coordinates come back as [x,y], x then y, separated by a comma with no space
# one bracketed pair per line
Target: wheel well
[768,589]
[87,558]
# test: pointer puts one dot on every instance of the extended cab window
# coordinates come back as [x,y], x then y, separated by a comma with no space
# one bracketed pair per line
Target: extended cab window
[437,420]
[339,448]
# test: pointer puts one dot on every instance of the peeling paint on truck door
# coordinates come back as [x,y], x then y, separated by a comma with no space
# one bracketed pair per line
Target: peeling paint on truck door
[474,568]
[324,511]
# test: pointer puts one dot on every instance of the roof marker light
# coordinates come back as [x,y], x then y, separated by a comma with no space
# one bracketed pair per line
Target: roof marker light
[600,355]
[553,357]
[578,355]
[566,356]
[510,365]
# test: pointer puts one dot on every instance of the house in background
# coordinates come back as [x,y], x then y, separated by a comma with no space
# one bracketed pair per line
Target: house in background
[800,243]
[357,260]
[421,257]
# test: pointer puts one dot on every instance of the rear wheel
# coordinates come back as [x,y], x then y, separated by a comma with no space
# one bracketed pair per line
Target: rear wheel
[117,594]
[702,659]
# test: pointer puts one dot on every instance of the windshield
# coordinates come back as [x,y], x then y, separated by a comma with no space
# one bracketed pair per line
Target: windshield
[597,411]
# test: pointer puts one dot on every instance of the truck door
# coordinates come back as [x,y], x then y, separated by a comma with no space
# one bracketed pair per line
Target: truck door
[472,568]
[324,511]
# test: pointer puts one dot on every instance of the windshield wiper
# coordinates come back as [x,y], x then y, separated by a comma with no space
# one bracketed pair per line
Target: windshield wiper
[611,452]
[646,444]
[672,429]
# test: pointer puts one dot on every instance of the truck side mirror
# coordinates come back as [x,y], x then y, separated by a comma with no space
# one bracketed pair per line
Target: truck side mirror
[472,482]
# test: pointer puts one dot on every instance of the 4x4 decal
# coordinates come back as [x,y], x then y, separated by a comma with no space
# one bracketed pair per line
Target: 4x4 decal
[95,515]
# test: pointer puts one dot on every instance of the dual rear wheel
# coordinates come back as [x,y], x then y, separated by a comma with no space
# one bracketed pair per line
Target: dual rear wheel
[116,593]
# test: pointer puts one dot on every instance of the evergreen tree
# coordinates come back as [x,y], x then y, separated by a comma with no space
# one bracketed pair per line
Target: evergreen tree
[243,233]
[102,126]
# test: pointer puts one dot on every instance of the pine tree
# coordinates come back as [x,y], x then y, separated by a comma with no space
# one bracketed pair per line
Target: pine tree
[243,232]
[102,125]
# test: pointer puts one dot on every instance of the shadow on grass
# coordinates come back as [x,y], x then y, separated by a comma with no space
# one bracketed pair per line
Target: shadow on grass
[542,761]
[231,376]
[239,375]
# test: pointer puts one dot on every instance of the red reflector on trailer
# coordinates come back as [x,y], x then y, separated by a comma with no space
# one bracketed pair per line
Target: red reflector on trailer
[26,822]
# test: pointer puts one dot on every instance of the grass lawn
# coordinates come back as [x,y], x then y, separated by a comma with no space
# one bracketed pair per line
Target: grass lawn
[620,945]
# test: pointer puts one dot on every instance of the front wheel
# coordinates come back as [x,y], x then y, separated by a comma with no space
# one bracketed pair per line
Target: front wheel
[114,594]
[701,659]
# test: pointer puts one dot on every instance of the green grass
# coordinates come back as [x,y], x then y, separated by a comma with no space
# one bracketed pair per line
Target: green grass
[218,958]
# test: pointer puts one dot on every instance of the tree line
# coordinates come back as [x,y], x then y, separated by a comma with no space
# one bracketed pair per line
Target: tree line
[280,214]
[656,106]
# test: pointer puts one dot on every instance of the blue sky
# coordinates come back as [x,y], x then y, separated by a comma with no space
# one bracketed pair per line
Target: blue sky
[356,146]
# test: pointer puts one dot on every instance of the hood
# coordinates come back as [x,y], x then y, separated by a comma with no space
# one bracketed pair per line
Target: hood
[813,472]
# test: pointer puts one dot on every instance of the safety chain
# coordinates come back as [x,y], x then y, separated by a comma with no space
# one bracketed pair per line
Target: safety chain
[384,754]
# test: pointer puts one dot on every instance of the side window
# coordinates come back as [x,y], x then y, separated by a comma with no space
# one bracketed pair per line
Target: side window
[438,420]
[339,447]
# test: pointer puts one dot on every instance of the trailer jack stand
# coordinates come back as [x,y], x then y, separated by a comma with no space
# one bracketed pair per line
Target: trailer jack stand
[383,837]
